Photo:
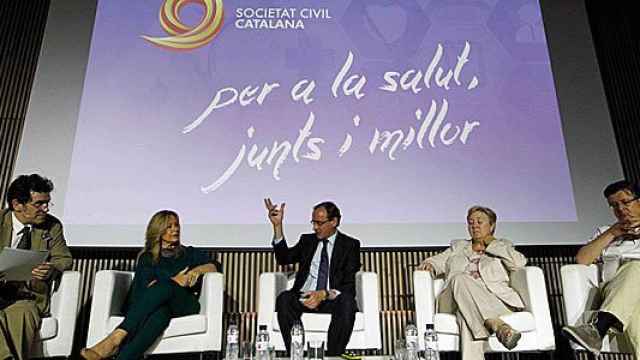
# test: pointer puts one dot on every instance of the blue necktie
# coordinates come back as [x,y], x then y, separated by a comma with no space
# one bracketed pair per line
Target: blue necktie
[323,271]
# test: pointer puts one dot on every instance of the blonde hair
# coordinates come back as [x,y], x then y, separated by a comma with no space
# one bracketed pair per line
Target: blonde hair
[155,229]
[487,211]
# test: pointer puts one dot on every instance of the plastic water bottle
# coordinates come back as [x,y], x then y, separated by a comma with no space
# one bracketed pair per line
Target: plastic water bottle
[262,343]
[297,341]
[411,337]
[431,344]
[232,349]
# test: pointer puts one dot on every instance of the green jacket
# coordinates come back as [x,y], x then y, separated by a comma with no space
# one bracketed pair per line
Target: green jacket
[46,236]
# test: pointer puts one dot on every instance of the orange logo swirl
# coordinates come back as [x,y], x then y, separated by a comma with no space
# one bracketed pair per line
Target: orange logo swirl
[183,37]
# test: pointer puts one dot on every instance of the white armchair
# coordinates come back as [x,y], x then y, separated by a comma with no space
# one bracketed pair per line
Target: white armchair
[366,329]
[534,322]
[193,333]
[56,331]
[580,296]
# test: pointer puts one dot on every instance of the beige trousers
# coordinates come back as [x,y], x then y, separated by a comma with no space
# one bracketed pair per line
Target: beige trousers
[621,297]
[472,303]
[19,324]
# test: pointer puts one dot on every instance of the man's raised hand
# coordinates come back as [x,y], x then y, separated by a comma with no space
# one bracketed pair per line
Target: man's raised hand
[275,214]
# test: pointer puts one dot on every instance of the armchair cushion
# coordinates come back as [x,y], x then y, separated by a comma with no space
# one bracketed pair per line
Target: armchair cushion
[579,292]
[49,328]
[522,321]
[320,322]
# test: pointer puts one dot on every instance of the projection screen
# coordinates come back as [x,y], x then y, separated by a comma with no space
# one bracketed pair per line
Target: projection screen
[403,113]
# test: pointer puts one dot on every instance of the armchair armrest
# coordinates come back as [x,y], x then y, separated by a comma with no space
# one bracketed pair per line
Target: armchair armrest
[64,308]
[424,297]
[211,301]
[425,300]
[367,298]
[579,289]
[270,286]
[109,293]
[529,283]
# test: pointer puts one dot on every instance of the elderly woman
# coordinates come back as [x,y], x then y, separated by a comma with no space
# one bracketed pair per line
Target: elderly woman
[164,286]
[477,283]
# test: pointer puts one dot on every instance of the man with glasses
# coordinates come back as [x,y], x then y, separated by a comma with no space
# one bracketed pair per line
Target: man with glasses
[326,280]
[618,246]
[26,224]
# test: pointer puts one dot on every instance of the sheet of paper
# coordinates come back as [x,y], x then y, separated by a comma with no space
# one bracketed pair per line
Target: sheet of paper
[16,264]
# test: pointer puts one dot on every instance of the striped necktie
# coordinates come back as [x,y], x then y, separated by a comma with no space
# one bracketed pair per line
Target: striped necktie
[323,271]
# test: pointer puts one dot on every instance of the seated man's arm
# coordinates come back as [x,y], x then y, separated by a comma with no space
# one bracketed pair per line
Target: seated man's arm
[351,268]
[590,252]
[286,255]
[59,256]
[59,253]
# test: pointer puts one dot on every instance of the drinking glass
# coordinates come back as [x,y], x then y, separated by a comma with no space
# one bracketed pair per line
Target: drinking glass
[247,351]
[400,351]
[315,350]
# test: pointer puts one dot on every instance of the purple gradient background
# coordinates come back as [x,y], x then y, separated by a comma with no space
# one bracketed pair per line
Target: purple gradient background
[130,157]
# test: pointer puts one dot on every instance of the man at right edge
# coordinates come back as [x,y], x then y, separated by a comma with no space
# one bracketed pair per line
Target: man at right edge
[619,247]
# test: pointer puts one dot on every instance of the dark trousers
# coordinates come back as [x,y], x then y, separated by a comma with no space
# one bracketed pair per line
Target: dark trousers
[149,316]
[343,314]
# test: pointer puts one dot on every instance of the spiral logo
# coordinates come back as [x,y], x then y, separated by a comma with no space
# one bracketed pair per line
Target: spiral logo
[182,36]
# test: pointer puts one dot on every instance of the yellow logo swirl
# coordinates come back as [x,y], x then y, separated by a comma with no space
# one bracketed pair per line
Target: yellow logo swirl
[182,36]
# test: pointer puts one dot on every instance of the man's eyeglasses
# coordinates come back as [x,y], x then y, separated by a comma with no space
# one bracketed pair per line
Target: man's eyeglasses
[41,204]
[318,222]
[622,204]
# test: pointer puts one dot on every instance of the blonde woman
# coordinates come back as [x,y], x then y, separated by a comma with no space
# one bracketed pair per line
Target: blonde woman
[164,287]
[477,283]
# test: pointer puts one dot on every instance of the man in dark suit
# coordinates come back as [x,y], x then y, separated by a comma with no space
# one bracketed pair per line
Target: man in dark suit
[27,225]
[326,280]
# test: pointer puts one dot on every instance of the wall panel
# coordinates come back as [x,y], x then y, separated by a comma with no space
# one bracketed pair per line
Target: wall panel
[618,52]
[22,26]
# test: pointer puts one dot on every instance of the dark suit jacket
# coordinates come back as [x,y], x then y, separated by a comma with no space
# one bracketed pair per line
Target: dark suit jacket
[46,236]
[345,260]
